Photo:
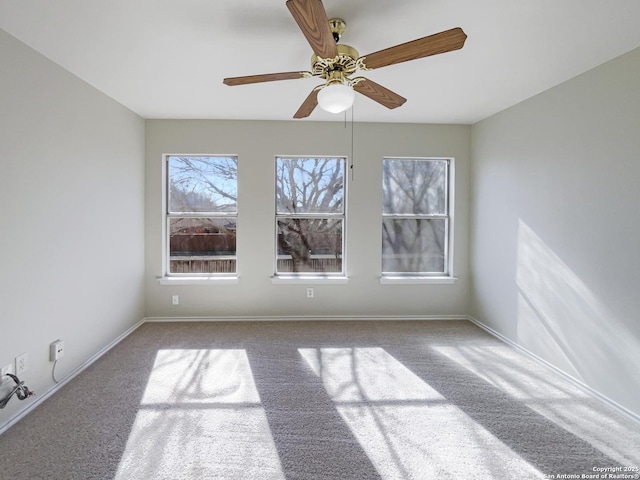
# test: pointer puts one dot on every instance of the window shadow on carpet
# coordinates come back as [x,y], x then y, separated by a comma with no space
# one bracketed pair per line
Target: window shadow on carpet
[311,437]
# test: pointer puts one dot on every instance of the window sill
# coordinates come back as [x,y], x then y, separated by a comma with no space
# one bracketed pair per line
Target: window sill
[198,280]
[402,280]
[308,280]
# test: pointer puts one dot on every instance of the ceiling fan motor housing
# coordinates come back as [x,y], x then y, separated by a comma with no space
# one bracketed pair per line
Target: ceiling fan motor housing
[346,62]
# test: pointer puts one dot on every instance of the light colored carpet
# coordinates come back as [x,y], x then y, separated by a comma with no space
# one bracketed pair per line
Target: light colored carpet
[316,400]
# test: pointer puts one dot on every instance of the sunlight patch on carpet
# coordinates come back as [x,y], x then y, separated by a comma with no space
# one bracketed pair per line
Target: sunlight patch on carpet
[551,396]
[200,417]
[407,428]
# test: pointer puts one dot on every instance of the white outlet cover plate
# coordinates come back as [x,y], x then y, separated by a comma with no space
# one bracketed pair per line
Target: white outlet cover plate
[3,372]
[22,364]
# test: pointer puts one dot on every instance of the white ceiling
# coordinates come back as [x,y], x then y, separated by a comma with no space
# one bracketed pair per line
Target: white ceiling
[167,59]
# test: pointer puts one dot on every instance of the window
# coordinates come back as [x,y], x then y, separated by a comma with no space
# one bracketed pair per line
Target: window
[310,216]
[416,217]
[201,215]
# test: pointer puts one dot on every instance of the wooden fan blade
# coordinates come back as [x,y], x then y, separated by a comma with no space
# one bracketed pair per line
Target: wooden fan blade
[442,42]
[378,93]
[310,103]
[267,77]
[312,20]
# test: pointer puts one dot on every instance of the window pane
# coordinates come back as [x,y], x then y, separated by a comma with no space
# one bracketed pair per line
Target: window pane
[202,245]
[203,184]
[309,185]
[414,187]
[309,245]
[413,246]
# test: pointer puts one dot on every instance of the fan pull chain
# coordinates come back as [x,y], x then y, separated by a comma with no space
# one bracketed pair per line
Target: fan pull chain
[351,159]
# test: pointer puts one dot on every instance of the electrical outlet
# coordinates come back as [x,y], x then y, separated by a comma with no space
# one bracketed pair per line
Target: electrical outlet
[3,373]
[56,350]
[22,364]
[175,300]
[309,292]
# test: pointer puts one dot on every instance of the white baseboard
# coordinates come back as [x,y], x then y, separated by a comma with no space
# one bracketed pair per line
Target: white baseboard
[578,383]
[41,398]
[298,318]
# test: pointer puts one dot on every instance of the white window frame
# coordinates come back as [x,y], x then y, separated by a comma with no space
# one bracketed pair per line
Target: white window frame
[169,278]
[447,276]
[312,277]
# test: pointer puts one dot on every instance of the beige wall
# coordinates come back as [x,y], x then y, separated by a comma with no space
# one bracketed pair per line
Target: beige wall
[556,226]
[71,216]
[257,143]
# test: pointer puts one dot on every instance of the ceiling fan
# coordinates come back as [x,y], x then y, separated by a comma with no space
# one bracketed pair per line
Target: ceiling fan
[335,63]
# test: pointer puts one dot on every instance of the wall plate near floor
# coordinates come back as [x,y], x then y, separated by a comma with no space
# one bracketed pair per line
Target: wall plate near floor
[3,373]
[22,364]
[56,350]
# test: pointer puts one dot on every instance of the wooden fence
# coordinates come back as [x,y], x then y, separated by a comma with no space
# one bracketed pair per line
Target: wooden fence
[227,264]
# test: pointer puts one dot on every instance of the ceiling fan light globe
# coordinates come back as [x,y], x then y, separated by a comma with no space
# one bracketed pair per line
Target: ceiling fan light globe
[336,98]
